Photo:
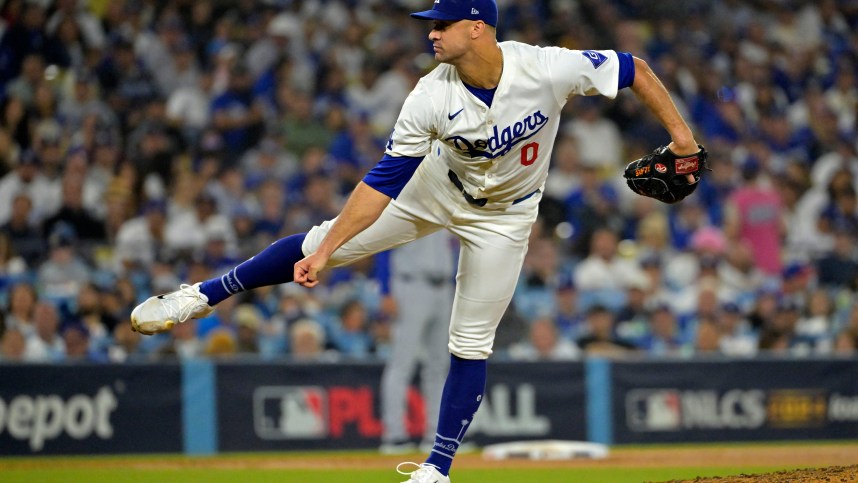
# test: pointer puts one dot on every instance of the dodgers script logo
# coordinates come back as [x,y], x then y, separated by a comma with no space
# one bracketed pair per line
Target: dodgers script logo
[502,140]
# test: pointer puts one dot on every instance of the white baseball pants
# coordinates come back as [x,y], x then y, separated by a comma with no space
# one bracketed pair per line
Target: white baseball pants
[493,245]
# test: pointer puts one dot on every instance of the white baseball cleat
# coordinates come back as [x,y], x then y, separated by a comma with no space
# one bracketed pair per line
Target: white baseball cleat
[423,474]
[162,312]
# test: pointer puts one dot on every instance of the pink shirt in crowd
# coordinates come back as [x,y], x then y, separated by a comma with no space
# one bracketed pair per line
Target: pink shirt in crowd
[760,225]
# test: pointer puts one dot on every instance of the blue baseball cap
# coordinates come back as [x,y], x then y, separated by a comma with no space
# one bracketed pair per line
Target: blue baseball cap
[452,10]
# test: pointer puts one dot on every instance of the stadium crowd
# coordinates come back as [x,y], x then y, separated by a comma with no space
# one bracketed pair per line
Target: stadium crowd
[147,143]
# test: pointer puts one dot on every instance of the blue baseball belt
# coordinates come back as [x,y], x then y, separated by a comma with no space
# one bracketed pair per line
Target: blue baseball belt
[480,201]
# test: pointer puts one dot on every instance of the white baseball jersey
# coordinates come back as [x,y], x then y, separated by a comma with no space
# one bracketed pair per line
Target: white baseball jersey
[500,152]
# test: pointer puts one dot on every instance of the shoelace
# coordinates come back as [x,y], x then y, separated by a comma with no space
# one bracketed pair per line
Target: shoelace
[420,477]
[177,302]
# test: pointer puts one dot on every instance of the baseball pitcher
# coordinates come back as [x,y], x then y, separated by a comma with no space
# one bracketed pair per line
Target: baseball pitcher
[469,153]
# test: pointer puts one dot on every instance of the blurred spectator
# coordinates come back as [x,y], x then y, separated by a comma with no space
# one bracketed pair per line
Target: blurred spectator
[359,283]
[737,337]
[840,266]
[847,340]
[268,162]
[653,237]
[12,266]
[512,329]
[604,274]
[77,345]
[25,237]
[701,262]
[126,344]
[351,335]
[73,213]
[569,319]
[248,320]
[220,342]
[21,307]
[222,318]
[664,337]
[355,147]
[62,275]
[738,275]
[183,343]
[818,321]
[89,313]
[188,232]
[270,222]
[544,344]
[780,335]
[301,128]
[601,340]
[44,343]
[189,106]
[320,198]
[754,214]
[274,332]
[841,213]
[32,74]
[306,340]
[688,218]
[141,240]
[84,103]
[591,207]
[236,114]
[76,12]
[708,338]
[29,36]
[633,322]
[796,280]
[12,346]
[535,291]
[216,253]
[598,139]
[283,36]
[27,179]
[805,230]
[565,174]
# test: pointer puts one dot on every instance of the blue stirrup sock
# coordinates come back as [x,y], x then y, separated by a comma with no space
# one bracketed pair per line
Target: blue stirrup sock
[463,392]
[272,266]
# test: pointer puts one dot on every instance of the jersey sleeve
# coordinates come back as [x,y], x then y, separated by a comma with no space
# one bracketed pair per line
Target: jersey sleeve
[586,72]
[415,128]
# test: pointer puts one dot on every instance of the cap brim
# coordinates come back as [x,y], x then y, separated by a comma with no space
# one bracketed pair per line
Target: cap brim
[434,15]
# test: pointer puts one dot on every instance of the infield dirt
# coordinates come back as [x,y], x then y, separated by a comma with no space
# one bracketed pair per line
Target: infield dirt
[830,462]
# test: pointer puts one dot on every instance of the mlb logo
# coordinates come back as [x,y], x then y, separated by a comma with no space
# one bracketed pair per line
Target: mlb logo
[654,410]
[290,412]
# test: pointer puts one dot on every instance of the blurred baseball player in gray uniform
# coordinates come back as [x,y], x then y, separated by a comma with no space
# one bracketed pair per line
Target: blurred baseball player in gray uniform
[421,284]
[469,154]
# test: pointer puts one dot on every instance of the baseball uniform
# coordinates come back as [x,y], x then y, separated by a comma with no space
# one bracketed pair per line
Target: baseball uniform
[421,283]
[482,171]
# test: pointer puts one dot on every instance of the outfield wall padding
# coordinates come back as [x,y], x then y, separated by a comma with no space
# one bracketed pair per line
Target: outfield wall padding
[204,407]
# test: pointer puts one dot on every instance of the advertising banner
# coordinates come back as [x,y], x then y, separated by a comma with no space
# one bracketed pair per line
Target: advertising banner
[319,406]
[89,409]
[734,400]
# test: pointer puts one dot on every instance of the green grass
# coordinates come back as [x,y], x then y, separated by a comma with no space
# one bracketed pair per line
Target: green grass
[333,466]
[583,475]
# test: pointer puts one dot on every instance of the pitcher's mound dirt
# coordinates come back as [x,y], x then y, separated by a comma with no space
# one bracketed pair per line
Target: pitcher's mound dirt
[833,474]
